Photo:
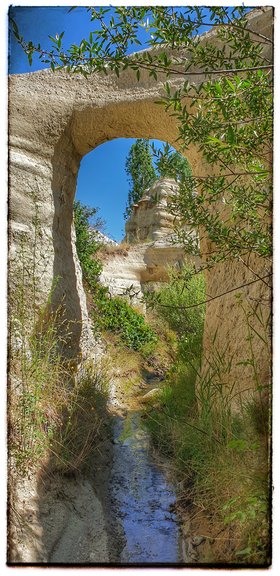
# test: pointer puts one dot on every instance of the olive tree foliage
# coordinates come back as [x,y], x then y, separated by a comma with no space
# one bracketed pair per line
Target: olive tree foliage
[170,163]
[226,110]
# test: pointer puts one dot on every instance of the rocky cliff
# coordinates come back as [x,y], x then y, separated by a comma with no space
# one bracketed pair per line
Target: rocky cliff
[150,247]
[150,219]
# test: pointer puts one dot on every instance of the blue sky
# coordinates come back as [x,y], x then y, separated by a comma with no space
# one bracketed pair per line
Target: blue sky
[102,181]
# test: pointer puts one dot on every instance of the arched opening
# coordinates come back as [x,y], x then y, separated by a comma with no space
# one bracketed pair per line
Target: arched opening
[89,128]
[131,182]
[104,183]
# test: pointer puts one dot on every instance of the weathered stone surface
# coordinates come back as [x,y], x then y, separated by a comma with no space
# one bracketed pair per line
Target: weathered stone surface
[54,120]
[142,265]
[150,247]
[150,218]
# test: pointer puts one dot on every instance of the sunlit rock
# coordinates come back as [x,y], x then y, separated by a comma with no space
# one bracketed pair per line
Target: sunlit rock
[150,248]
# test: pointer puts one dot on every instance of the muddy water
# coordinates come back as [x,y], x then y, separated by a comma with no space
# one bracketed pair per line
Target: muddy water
[143,496]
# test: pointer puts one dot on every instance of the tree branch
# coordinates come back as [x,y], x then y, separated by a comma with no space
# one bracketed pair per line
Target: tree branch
[253,271]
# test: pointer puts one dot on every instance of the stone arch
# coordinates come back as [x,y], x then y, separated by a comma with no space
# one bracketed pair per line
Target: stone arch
[87,129]
[49,134]
[54,120]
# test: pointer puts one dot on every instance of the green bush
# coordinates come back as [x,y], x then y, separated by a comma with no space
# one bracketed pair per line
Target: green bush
[115,315]
[178,398]
[175,298]
[86,243]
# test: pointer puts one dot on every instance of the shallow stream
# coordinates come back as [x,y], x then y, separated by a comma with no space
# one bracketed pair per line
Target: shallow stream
[122,512]
[143,496]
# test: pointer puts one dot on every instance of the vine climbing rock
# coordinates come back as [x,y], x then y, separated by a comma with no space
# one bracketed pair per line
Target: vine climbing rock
[54,120]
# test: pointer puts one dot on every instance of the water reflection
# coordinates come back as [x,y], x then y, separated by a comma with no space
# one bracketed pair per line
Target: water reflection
[143,497]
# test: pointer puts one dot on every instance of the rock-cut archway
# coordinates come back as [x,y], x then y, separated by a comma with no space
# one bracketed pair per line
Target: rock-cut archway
[55,119]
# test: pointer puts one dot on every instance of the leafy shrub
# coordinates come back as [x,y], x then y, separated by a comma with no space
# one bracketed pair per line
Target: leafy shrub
[178,304]
[86,243]
[178,398]
[115,315]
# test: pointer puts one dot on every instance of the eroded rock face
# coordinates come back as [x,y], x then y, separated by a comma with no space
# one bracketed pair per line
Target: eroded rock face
[150,247]
[150,218]
[54,120]
[129,271]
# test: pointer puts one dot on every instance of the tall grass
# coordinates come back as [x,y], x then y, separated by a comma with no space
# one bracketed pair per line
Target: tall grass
[36,396]
[220,447]
[84,428]
[55,410]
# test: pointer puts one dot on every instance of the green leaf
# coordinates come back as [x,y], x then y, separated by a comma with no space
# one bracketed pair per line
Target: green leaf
[14,25]
[214,140]
[230,503]
[153,74]
[230,84]
[167,88]
[218,89]
[230,135]
[138,75]
[244,552]
[237,444]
